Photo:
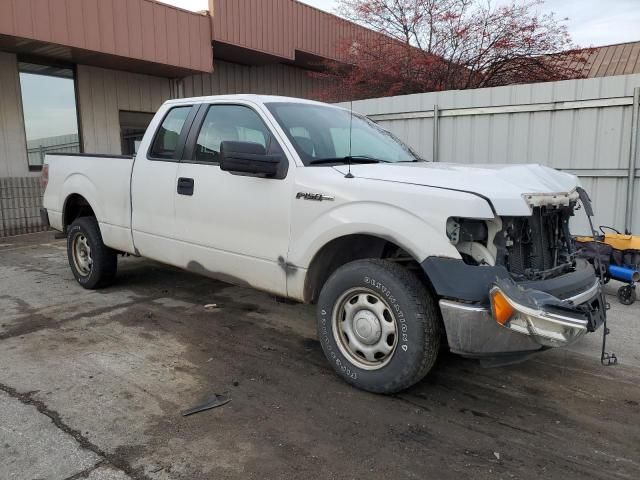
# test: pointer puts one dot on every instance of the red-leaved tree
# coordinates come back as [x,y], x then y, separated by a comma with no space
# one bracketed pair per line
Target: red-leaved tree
[431,45]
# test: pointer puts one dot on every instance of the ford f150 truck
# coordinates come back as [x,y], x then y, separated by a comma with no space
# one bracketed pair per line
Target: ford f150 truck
[315,203]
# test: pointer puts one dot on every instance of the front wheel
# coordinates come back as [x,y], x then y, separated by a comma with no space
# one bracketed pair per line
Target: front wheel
[378,325]
[93,263]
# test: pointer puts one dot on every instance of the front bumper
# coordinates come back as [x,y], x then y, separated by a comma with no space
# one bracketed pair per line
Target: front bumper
[539,321]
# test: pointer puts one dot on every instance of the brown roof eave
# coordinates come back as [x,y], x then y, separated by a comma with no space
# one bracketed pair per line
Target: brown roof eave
[140,30]
[42,52]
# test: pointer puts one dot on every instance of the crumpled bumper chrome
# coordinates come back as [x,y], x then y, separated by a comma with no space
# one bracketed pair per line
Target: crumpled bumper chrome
[549,328]
[538,321]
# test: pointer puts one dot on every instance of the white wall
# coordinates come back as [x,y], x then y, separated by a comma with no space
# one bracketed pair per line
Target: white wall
[13,149]
[274,79]
[103,93]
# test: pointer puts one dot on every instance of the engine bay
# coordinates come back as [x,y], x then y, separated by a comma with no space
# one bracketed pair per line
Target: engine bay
[536,247]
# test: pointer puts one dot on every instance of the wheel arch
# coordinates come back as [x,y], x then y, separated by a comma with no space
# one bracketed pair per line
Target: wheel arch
[361,230]
[75,206]
[348,248]
[79,192]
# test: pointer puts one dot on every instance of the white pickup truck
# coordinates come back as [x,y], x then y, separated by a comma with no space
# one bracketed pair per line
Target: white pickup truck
[311,202]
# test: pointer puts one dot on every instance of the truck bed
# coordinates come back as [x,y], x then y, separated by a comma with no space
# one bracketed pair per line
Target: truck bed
[104,180]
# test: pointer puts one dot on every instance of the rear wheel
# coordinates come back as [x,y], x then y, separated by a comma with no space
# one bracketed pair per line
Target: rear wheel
[378,325]
[93,263]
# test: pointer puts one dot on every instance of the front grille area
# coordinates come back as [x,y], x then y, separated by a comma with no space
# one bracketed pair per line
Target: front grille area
[533,250]
[535,244]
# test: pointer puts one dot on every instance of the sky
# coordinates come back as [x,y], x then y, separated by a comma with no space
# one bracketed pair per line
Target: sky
[591,22]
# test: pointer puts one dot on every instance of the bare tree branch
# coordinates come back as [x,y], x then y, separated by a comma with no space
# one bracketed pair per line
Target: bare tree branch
[428,45]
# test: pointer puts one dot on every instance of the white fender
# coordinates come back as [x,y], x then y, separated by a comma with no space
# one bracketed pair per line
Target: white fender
[405,229]
[80,184]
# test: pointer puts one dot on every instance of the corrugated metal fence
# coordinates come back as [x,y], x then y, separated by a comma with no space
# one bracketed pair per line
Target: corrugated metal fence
[586,127]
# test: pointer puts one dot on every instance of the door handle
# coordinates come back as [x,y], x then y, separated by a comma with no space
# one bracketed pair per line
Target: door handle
[185,186]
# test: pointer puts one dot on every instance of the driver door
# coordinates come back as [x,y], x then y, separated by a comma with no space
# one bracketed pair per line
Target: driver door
[231,226]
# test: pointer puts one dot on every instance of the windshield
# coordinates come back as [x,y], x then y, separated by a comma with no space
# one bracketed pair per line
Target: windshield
[320,135]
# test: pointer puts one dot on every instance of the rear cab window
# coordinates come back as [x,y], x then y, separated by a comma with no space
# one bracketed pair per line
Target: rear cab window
[167,139]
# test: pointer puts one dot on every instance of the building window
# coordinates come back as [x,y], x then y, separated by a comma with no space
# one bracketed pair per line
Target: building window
[49,110]
[133,125]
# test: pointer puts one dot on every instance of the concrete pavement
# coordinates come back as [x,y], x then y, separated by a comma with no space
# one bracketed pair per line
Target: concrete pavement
[92,385]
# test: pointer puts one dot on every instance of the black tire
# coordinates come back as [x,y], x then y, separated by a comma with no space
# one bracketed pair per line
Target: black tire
[104,265]
[415,313]
[627,295]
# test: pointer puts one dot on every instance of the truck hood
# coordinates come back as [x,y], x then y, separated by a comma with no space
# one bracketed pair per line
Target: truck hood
[505,186]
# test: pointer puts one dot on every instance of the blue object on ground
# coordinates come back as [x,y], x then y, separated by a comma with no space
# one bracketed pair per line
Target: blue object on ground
[624,274]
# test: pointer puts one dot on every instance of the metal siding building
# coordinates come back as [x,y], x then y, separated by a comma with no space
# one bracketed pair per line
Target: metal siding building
[13,145]
[285,29]
[125,34]
[124,58]
[103,93]
[275,79]
[609,60]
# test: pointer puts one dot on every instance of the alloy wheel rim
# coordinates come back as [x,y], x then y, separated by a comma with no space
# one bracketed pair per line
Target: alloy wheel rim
[365,328]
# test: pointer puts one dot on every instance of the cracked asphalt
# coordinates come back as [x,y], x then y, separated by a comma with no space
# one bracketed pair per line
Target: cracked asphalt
[92,385]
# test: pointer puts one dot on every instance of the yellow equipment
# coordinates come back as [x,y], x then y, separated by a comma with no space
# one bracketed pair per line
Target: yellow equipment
[618,241]
[619,257]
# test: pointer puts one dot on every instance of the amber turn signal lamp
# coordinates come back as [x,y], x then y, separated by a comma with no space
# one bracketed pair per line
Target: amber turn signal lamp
[502,309]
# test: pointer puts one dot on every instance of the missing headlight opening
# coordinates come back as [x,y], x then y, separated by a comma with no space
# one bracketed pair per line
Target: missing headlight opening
[531,248]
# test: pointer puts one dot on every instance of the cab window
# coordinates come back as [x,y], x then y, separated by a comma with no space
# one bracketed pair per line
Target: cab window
[166,141]
[231,123]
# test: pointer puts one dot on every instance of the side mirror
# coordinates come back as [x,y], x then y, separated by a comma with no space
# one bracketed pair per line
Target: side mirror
[248,158]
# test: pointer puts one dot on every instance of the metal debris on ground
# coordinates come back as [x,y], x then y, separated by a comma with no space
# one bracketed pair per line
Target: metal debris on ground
[213,402]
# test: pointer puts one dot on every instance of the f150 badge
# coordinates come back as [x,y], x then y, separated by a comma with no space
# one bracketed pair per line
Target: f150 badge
[318,197]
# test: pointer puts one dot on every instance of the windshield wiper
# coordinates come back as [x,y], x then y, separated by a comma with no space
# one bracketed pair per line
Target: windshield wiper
[347,159]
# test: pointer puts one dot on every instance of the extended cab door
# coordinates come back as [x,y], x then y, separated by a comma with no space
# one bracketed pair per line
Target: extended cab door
[153,182]
[232,226]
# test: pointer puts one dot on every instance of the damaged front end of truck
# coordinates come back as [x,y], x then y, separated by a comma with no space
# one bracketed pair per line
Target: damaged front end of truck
[519,287]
